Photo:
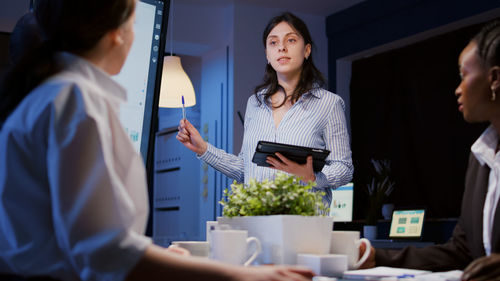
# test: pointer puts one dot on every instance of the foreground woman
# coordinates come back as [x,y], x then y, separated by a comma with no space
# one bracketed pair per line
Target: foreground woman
[73,195]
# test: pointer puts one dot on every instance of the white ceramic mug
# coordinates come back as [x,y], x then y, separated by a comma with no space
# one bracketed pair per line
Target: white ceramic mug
[214,225]
[231,246]
[196,248]
[347,243]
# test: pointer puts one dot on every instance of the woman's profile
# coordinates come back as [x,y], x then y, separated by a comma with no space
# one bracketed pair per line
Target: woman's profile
[73,194]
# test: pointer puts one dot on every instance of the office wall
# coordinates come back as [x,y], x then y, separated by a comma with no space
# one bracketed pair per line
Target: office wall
[4,53]
[10,12]
[374,26]
[428,162]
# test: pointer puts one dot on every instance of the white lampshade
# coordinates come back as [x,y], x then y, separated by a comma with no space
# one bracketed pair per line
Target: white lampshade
[174,84]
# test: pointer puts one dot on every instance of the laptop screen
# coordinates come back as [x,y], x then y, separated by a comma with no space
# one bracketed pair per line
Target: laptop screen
[407,223]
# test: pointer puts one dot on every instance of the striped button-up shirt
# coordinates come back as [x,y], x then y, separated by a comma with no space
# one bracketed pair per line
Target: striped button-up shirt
[316,120]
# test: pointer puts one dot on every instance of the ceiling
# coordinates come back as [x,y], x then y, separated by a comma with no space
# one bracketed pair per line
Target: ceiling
[12,10]
[313,7]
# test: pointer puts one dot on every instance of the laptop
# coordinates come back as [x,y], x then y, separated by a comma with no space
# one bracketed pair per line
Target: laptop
[406,225]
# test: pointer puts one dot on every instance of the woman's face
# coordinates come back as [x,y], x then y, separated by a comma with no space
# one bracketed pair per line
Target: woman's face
[474,91]
[286,50]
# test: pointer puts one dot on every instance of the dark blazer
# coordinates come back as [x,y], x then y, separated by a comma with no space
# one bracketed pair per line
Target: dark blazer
[466,243]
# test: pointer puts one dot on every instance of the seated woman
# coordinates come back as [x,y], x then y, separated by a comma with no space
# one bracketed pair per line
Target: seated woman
[475,244]
[73,194]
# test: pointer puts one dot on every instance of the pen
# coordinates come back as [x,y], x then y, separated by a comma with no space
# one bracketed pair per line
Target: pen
[183,109]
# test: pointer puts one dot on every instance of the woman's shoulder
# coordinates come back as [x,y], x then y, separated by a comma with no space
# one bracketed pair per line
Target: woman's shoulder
[326,96]
[256,99]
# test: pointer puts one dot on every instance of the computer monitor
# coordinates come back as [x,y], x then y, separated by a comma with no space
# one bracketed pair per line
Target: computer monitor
[342,203]
[141,75]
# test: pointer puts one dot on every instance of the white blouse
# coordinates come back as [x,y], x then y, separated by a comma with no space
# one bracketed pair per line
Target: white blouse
[485,151]
[72,187]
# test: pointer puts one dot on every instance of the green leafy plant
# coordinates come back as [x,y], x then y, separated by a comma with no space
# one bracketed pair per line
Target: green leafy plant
[283,195]
[379,189]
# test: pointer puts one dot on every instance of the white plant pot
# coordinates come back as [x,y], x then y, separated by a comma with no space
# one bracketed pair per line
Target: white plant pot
[284,236]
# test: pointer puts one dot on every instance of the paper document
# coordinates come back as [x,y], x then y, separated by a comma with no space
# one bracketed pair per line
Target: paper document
[382,271]
[454,275]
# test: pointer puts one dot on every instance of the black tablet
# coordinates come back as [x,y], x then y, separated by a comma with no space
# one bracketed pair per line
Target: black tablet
[293,152]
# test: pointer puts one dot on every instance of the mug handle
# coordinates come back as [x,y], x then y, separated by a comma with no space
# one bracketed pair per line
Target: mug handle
[366,253]
[258,249]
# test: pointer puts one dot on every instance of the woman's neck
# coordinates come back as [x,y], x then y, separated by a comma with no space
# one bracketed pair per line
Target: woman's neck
[289,82]
[496,125]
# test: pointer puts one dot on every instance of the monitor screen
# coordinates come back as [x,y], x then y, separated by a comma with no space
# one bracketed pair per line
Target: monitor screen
[342,201]
[141,74]
[407,223]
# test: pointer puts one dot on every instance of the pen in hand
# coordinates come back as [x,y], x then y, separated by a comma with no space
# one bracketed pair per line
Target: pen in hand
[183,109]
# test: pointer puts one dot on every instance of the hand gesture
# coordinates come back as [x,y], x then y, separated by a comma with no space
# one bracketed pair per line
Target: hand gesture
[484,268]
[178,250]
[190,137]
[304,171]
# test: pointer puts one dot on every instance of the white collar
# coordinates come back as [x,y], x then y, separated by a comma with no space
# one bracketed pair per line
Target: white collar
[485,146]
[95,75]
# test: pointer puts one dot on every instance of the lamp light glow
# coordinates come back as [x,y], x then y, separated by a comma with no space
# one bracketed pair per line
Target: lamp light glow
[174,84]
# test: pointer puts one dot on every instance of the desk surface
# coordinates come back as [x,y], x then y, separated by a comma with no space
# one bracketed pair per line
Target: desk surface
[381,244]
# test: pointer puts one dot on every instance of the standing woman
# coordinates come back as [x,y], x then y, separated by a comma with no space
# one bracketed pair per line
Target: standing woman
[73,194]
[289,107]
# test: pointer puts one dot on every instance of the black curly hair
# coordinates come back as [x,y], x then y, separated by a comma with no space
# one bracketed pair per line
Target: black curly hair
[488,43]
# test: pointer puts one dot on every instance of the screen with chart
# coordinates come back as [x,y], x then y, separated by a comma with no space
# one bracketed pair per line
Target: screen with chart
[407,223]
[142,71]
[342,202]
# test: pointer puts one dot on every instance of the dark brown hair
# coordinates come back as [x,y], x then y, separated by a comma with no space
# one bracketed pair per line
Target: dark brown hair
[74,26]
[310,76]
[488,43]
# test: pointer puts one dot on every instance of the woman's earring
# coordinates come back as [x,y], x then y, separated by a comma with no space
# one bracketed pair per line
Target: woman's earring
[493,94]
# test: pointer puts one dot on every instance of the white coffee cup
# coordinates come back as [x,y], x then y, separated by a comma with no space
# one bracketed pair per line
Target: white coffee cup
[231,246]
[324,265]
[214,225]
[196,248]
[348,243]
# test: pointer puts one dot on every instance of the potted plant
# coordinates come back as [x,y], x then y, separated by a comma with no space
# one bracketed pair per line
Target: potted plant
[283,213]
[378,191]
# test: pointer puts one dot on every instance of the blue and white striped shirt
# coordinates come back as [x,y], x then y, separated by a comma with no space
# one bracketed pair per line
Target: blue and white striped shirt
[316,120]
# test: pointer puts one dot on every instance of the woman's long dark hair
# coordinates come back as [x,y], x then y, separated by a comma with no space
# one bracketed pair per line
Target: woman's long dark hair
[74,26]
[310,76]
